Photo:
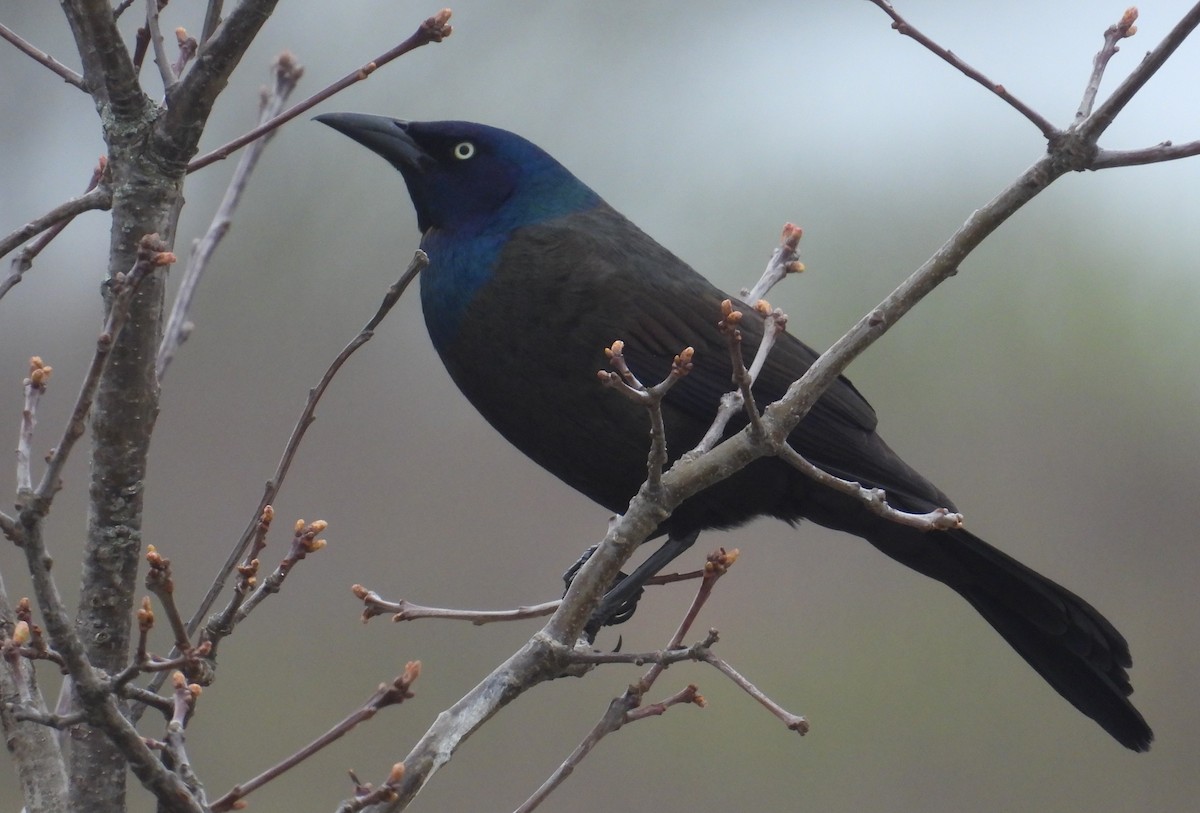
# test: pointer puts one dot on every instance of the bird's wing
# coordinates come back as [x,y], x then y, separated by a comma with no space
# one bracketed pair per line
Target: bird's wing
[665,306]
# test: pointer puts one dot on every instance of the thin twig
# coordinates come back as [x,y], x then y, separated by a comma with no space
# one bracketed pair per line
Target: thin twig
[35,387]
[404,610]
[304,542]
[98,197]
[785,259]
[169,78]
[873,499]
[69,76]
[23,260]
[434,29]
[1094,126]
[388,694]
[1166,151]
[286,72]
[742,382]
[161,583]
[307,416]
[626,383]
[1116,32]
[905,28]
[184,700]
[794,722]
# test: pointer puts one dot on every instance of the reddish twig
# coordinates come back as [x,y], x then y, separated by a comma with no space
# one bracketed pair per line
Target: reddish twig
[905,28]
[434,29]
[307,416]
[626,383]
[66,74]
[388,694]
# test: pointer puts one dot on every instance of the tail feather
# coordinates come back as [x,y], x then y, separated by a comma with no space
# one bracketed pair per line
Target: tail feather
[1066,640]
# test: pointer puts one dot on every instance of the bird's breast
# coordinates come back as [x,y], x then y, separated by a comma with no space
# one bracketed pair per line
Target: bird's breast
[459,267]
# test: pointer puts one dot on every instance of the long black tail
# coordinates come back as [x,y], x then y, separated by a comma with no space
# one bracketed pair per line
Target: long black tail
[1064,638]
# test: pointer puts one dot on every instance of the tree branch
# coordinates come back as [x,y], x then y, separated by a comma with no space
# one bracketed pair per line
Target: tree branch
[1091,128]
[906,29]
[69,76]
[286,72]
[108,70]
[434,29]
[99,197]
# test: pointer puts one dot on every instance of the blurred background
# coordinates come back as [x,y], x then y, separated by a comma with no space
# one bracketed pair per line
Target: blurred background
[1051,388]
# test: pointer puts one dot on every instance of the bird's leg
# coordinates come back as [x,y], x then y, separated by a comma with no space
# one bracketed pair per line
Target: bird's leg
[621,599]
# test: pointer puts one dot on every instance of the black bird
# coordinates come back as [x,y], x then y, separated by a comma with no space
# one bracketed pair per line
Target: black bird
[520,248]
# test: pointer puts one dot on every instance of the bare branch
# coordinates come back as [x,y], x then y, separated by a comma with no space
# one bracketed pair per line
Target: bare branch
[785,259]
[793,721]
[626,383]
[307,416]
[212,18]
[286,72]
[304,542]
[35,387]
[1166,151]
[1116,32]
[404,610]
[628,707]
[388,694]
[91,687]
[873,499]
[1094,125]
[169,79]
[69,76]
[434,29]
[903,27]
[96,198]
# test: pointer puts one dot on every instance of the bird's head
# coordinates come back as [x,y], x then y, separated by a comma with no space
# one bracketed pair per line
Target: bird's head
[463,176]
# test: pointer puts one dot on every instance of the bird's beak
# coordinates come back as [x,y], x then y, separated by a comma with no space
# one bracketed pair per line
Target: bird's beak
[386,137]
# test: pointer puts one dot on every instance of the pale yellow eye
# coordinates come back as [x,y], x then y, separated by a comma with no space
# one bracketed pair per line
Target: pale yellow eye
[464,150]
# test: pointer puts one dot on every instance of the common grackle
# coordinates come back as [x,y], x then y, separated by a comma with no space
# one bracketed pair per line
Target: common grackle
[520,248]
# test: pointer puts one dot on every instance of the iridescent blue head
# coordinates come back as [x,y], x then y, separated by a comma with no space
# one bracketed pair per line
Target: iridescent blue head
[466,177]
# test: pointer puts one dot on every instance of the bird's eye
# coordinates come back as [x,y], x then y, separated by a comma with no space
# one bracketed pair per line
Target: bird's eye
[464,150]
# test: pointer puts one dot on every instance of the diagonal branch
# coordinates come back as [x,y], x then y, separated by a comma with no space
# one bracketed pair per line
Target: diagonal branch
[94,197]
[434,29]
[286,73]
[906,29]
[98,198]
[69,76]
